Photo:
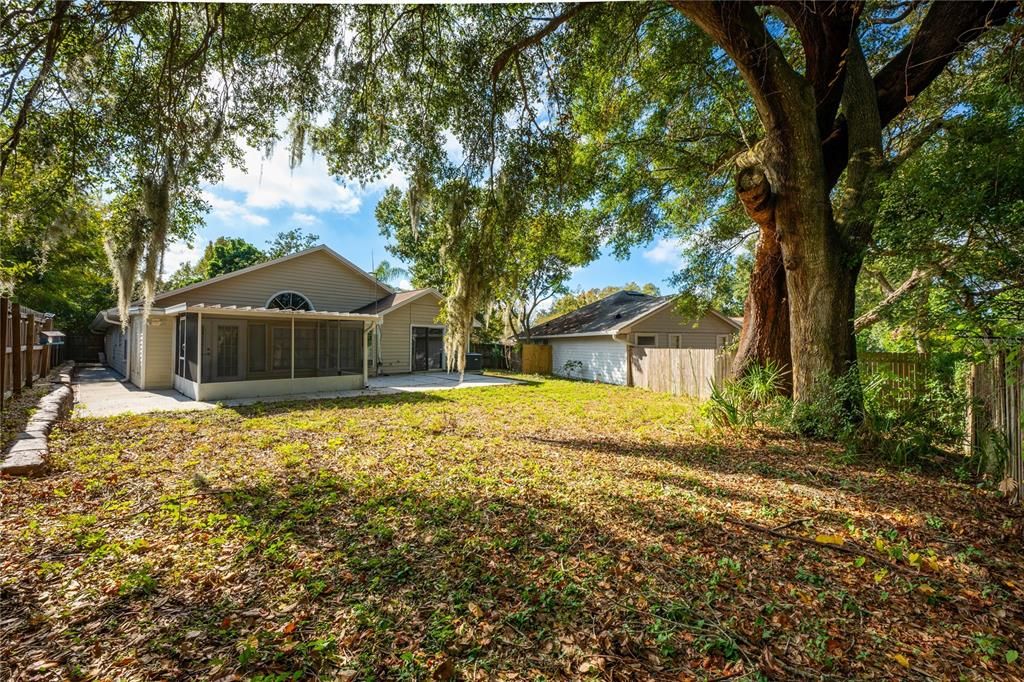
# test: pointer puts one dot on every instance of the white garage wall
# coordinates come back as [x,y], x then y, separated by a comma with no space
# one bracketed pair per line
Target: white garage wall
[603,359]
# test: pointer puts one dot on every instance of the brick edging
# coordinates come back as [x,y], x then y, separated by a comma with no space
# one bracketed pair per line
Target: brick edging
[27,454]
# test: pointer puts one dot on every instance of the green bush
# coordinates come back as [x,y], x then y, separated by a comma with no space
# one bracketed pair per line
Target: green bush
[881,414]
[751,400]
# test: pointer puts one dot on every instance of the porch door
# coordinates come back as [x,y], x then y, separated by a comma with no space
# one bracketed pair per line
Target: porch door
[223,350]
[427,348]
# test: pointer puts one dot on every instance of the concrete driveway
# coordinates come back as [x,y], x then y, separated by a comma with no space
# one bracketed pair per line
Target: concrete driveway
[100,392]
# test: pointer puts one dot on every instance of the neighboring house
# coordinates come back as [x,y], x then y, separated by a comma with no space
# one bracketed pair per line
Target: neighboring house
[310,321]
[598,335]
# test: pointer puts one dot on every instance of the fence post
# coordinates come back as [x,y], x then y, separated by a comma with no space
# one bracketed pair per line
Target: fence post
[30,350]
[17,371]
[4,312]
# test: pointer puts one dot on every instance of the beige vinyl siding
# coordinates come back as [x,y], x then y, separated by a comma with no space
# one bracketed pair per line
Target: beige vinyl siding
[329,285]
[396,333]
[665,322]
[159,362]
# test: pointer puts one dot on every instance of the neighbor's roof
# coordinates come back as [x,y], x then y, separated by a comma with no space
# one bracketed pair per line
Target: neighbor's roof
[396,300]
[609,315]
[602,317]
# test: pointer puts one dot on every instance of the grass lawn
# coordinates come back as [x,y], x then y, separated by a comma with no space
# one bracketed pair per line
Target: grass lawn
[545,531]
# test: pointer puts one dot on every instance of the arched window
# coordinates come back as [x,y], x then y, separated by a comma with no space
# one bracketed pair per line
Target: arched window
[289,300]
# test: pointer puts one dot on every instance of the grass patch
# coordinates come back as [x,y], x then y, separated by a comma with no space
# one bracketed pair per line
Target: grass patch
[548,530]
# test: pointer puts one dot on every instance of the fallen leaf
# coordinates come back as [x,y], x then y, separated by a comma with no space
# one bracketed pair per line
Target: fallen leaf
[829,539]
[902,660]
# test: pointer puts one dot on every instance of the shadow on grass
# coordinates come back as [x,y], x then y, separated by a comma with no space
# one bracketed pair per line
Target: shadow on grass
[354,402]
[371,575]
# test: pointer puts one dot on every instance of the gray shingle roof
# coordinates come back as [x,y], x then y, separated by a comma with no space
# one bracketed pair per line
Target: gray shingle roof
[605,315]
[389,301]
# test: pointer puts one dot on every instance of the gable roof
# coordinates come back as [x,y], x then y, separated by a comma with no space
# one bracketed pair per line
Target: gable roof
[609,315]
[395,300]
[602,317]
[259,266]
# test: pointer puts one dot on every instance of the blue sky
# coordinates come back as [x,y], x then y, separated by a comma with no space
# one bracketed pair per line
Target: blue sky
[269,197]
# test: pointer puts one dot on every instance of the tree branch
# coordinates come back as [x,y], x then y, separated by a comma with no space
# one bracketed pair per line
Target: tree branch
[53,39]
[534,38]
[944,32]
[894,295]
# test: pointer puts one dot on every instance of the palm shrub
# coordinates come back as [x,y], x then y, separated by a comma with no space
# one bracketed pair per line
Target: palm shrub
[752,399]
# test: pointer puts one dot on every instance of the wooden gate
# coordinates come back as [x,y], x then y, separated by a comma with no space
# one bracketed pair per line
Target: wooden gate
[536,359]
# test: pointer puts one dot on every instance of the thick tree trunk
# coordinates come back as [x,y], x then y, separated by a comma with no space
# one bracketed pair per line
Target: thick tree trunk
[765,334]
[822,297]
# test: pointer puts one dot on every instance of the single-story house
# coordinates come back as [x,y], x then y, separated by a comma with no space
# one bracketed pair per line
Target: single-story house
[598,335]
[310,321]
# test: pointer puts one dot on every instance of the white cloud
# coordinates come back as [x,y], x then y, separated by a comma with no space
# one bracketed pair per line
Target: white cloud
[230,211]
[271,183]
[394,176]
[304,218]
[666,250]
[179,253]
[405,285]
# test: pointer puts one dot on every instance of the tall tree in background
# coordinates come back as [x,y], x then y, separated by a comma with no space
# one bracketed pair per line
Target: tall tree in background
[289,242]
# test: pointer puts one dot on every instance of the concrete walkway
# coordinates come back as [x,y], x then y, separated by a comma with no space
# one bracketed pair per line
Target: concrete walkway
[100,392]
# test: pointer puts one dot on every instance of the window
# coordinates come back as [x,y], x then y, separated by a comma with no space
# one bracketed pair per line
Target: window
[289,300]
[675,340]
[646,340]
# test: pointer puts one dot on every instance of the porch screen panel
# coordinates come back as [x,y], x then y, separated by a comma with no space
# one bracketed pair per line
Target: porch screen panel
[350,356]
[281,349]
[327,348]
[257,347]
[191,340]
[305,348]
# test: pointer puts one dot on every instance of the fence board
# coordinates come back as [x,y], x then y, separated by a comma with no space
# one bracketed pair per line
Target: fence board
[679,371]
[994,420]
[22,360]
[536,359]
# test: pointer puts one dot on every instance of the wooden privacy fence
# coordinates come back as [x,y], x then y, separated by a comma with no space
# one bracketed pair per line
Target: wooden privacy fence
[23,359]
[693,371]
[994,419]
[536,359]
[680,371]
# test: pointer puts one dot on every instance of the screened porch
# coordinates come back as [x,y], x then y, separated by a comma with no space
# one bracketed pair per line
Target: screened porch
[234,352]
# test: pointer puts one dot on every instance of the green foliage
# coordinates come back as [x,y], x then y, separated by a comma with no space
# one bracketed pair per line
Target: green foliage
[879,414]
[388,273]
[289,242]
[227,254]
[750,400]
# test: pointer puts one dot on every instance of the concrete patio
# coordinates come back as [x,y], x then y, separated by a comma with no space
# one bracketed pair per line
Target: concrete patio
[101,392]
